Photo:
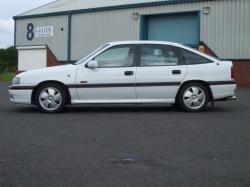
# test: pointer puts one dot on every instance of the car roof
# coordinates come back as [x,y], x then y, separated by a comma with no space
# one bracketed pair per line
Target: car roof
[162,43]
[145,42]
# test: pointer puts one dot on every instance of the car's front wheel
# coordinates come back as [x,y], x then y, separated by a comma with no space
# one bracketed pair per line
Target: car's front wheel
[51,98]
[193,97]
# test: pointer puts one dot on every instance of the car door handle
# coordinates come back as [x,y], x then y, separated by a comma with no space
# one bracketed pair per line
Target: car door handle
[175,72]
[128,73]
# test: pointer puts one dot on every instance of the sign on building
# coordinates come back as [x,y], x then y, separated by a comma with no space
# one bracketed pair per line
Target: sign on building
[44,32]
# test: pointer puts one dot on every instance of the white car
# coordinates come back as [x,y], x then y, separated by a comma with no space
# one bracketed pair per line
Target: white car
[129,72]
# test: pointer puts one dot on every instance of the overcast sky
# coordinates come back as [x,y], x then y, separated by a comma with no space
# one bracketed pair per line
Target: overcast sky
[10,8]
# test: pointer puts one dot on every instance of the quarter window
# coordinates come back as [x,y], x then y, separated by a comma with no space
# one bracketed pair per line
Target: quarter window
[158,56]
[192,58]
[118,56]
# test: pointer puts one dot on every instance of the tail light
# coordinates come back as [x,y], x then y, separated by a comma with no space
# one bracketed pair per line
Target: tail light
[232,72]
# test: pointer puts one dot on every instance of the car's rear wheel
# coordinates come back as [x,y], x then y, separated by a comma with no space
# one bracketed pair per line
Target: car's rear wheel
[51,98]
[193,97]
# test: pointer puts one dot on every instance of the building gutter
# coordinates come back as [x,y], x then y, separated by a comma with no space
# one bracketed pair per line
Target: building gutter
[69,38]
[14,33]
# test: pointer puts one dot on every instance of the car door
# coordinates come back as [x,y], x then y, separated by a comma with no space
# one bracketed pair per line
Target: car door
[159,73]
[112,80]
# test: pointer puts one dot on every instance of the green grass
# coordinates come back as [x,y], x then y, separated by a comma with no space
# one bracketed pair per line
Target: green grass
[7,76]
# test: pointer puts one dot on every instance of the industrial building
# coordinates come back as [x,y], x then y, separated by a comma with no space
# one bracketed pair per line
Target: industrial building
[65,30]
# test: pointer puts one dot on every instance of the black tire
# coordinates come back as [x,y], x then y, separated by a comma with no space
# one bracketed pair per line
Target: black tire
[175,105]
[183,100]
[63,100]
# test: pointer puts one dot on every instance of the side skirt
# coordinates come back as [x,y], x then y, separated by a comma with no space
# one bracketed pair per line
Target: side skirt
[132,101]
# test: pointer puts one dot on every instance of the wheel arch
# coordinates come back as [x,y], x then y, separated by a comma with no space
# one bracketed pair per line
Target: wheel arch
[35,89]
[211,98]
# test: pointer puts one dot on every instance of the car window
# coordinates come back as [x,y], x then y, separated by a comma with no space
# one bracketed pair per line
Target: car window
[92,53]
[153,55]
[118,56]
[192,58]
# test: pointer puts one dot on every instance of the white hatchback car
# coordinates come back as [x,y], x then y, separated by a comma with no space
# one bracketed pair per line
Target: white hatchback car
[129,72]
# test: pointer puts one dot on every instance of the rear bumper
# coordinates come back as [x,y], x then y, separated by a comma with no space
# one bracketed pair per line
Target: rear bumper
[231,98]
[223,92]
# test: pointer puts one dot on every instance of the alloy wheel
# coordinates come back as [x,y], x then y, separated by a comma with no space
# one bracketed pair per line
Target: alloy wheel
[50,98]
[194,97]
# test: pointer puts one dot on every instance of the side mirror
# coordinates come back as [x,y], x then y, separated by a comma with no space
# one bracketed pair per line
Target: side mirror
[92,64]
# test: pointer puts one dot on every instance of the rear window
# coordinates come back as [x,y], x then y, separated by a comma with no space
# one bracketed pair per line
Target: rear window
[193,58]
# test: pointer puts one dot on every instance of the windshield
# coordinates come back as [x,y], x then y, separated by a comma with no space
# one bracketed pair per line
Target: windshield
[90,54]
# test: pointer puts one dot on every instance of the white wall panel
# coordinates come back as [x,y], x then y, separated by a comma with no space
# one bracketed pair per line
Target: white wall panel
[30,59]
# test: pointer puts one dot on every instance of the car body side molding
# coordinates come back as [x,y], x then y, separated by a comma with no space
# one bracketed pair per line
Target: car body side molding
[143,84]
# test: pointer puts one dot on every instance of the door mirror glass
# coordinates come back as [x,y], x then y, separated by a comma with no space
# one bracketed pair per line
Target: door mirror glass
[92,64]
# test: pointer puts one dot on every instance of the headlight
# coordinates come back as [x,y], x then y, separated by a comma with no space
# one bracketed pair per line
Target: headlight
[16,80]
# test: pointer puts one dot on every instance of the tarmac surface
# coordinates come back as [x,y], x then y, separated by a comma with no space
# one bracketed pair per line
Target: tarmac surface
[124,145]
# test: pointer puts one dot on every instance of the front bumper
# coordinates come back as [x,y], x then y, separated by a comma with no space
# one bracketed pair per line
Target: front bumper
[20,96]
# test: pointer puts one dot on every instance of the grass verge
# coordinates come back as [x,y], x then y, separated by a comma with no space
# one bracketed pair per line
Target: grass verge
[7,76]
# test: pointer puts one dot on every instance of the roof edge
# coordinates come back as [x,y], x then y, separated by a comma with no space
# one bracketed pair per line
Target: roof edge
[35,8]
[108,8]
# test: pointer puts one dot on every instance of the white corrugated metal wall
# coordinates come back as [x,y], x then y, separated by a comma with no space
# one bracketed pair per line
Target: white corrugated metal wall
[225,30]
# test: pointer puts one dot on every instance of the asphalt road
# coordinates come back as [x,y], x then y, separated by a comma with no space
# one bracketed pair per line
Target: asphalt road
[125,145]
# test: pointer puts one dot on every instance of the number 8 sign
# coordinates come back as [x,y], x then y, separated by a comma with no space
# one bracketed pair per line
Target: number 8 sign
[30,33]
